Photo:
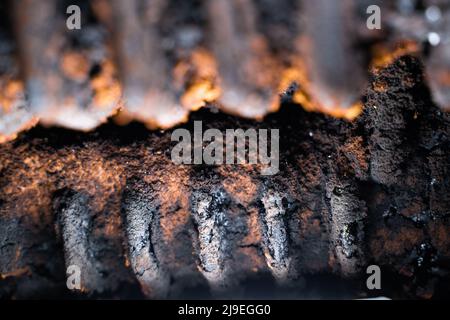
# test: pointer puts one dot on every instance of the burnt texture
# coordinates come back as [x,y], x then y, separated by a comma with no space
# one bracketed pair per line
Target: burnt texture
[69,76]
[348,195]
[155,61]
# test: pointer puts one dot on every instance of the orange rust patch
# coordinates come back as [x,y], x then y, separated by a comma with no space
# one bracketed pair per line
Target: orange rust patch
[355,152]
[380,86]
[16,273]
[107,90]
[14,120]
[29,188]
[413,209]
[384,56]
[297,74]
[332,262]
[26,126]
[198,94]
[122,117]
[443,77]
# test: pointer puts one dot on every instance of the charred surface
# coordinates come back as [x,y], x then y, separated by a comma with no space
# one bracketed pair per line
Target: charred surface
[348,194]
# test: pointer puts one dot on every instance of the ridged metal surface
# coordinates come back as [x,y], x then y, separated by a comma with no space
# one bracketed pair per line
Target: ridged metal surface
[374,191]
[139,225]
[156,61]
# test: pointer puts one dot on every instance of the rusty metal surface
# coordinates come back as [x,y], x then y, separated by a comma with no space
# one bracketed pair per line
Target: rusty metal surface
[348,194]
[156,61]
[336,70]
[69,75]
